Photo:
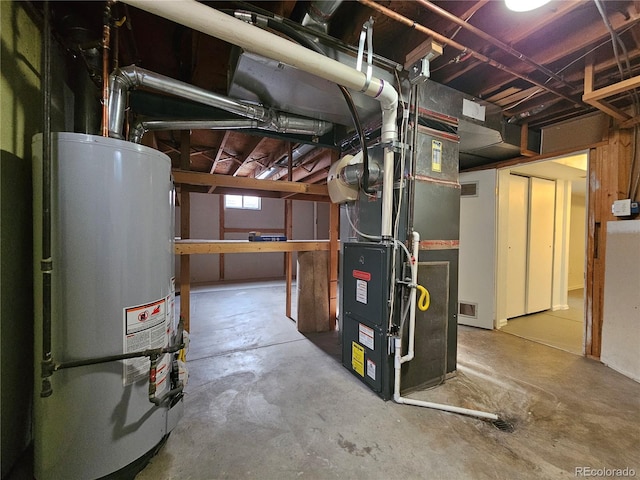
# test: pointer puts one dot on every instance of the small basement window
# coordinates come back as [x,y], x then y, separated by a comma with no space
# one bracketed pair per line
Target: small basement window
[244,202]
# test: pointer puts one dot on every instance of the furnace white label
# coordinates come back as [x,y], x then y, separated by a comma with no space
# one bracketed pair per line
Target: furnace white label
[361,291]
[371,369]
[365,336]
[145,328]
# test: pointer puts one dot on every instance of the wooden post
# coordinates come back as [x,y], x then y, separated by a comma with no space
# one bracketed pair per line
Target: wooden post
[185,231]
[288,228]
[222,233]
[609,168]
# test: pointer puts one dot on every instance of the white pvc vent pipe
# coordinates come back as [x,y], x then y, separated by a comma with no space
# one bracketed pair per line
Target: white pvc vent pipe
[399,359]
[207,20]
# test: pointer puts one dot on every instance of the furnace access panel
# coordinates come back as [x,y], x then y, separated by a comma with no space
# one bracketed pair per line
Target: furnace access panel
[365,295]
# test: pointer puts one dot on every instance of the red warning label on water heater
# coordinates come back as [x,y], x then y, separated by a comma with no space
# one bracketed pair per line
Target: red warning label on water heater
[360,275]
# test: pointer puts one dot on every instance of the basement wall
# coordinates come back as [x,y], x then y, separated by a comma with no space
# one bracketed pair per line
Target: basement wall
[20,119]
[208,218]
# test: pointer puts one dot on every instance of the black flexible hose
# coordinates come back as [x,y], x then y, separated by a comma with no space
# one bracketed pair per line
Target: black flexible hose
[305,42]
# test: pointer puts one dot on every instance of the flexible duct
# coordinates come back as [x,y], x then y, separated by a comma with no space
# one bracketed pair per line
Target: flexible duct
[124,79]
[205,19]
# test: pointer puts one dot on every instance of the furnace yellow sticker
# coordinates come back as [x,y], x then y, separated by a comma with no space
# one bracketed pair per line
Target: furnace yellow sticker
[436,156]
[357,358]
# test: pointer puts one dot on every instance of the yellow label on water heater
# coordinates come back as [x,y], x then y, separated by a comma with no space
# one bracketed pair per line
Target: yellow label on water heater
[357,358]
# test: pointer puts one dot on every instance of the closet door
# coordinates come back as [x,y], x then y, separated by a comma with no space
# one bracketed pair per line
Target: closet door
[517,249]
[542,196]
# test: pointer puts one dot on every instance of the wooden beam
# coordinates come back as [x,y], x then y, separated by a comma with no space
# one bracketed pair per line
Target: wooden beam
[596,98]
[253,143]
[524,142]
[185,150]
[207,179]
[216,160]
[193,247]
[429,48]
[609,91]
[589,71]
[609,110]
[308,198]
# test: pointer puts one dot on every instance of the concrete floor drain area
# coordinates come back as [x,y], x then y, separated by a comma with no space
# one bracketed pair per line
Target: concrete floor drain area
[267,402]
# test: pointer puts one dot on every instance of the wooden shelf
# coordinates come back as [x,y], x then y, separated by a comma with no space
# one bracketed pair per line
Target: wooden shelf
[227,184]
[189,247]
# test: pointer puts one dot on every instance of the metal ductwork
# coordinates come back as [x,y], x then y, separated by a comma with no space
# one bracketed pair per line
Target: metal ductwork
[485,135]
[319,14]
[124,79]
[144,126]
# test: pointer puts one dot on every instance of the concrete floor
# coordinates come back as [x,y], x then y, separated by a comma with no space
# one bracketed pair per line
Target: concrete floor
[563,329]
[267,402]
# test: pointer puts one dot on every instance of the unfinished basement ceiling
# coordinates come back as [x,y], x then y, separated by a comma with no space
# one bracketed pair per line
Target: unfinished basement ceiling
[531,65]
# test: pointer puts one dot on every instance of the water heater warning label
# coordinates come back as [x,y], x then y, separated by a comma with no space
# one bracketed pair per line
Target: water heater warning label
[145,328]
[357,358]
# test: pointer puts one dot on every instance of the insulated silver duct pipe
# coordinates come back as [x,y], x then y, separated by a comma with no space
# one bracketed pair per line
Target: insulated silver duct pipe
[143,127]
[124,79]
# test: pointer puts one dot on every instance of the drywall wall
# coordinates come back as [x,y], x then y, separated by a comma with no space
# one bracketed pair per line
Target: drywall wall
[205,210]
[476,284]
[577,242]
[621,316]
[205,224]
[268,220]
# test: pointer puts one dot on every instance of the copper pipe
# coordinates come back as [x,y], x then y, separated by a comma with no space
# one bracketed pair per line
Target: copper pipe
[447,41]
[492,40]
[106,38]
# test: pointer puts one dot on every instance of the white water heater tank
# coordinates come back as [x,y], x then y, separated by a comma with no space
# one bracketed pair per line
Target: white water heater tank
[112,293]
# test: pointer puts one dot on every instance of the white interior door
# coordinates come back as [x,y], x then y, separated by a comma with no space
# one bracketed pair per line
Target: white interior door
[540,240]
[517,222]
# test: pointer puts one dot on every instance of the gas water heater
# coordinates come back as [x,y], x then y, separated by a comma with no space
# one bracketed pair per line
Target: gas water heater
[114,394]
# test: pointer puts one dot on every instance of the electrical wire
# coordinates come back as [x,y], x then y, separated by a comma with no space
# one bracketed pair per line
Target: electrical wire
[615,42]
[402,138]
[531,95]
[277,25]
[376,238]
